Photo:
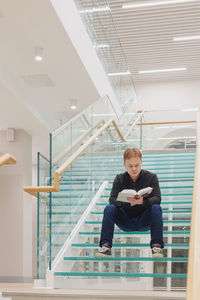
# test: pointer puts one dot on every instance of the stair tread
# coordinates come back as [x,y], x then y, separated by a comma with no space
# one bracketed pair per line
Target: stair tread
[121,258]
[185,245]
[119,274]
[175,232]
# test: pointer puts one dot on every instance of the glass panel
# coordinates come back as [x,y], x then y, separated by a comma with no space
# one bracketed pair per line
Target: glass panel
[43,217]
[97,18]
[172,131]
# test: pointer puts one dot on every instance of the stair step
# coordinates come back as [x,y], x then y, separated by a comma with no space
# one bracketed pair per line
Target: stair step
[163,202]
[168,187]
[112,174]
[166,194]
[138,245]
[137,233]
[164,221]
[155,259]
[157,170]
[164,212]
[115,274]
[61,196]
[145,159]
[166,179]
[69,204]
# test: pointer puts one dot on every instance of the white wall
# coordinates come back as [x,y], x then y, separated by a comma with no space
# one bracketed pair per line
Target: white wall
[163,102]
[16,209]
[168,95]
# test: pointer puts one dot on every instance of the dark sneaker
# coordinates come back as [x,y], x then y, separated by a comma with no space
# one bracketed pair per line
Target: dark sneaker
[104,252]
[156,251]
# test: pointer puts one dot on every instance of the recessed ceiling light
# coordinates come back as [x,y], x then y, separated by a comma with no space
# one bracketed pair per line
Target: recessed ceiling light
[38,58]
[187,38]
[154,3]
[95,9]
[73,107]
[102,46]
[73,104]
[162,70]
[119,73]
[39,53]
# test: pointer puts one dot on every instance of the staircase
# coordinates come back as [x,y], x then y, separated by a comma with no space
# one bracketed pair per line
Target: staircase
[76,216]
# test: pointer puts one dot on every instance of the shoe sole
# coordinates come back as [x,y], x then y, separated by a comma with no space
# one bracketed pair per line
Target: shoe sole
[102,255]
[157,255]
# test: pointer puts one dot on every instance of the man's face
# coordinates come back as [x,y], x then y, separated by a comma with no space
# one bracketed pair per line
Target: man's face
[133,166]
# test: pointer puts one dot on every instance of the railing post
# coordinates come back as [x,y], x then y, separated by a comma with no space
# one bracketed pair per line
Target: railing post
[38,216]
[193,275]
[50,202]
[141,134]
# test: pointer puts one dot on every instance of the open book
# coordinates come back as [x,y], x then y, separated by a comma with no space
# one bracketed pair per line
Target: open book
[123,195]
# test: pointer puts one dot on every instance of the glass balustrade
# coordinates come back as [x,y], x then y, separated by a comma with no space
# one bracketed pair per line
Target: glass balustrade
[173,130]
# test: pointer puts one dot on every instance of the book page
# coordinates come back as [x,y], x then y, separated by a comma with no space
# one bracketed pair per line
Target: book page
[123,195]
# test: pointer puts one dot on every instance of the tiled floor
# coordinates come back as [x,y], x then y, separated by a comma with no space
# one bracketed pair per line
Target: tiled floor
[26,291]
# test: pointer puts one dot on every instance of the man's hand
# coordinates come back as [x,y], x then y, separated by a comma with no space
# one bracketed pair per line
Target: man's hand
[135,200]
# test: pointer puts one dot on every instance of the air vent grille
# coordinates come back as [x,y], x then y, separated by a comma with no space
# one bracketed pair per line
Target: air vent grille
[38,81]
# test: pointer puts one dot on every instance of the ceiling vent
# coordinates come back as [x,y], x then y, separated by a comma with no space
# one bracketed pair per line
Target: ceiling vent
[38,81]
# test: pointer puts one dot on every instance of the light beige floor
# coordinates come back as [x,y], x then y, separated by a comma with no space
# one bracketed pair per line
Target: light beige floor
[17,290]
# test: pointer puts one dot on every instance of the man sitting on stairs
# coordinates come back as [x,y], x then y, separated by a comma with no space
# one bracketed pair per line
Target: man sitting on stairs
[141,213]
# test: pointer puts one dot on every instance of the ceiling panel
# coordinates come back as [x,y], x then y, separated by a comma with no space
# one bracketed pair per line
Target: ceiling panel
[146,36]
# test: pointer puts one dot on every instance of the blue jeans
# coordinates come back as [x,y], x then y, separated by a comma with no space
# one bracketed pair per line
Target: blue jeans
[151,219]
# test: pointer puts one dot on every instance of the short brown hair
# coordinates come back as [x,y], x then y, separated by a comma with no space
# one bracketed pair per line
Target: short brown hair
[132,152]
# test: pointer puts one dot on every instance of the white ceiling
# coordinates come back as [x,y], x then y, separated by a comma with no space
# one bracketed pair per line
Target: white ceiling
[44,88]
[146,37]
[13,114]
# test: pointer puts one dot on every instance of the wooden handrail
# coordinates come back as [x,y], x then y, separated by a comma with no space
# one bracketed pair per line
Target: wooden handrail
[193,274]
[133,125]
[55,188]
[7,159]
[171,122]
